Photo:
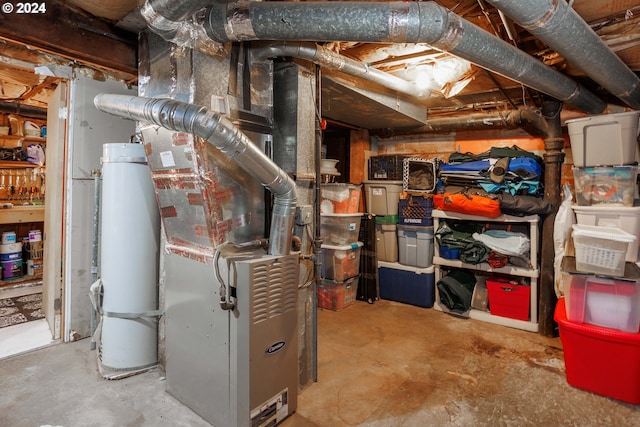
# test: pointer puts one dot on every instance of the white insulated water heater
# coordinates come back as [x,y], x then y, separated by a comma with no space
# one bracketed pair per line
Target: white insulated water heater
[129,251]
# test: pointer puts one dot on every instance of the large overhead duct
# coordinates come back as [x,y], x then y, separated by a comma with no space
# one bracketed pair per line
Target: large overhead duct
[225,136]
[393,22]
[562,29]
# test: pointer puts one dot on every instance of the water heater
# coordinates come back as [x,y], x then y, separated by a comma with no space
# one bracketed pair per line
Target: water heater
[129,251]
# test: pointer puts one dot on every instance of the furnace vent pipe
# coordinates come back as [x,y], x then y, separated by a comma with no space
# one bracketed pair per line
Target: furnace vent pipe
[563,30]
[393,22]
[332,61]
[219,131]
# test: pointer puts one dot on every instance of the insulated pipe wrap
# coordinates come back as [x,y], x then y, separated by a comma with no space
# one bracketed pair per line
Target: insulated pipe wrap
[562,29]
[220,132]
[374,22]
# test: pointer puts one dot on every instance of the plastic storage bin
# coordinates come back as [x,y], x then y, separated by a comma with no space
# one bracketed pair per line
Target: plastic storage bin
[599,301]
[386,238]
[604,140]
[336,296]
[415,245]
[382,197]
[340,198]
[340,229]
[449,253]
[406,284]
[601,250]
[627,219]
[600,360]
[508,299]
[615,185]
[340,263]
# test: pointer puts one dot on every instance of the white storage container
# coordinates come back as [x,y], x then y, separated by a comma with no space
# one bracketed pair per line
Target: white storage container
[382,197]
[624,218]
[604,140]
[601,250]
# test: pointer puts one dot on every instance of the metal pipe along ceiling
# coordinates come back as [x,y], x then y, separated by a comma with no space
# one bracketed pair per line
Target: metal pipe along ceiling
[562,29]
[216,129]
[333,61]
[393,22]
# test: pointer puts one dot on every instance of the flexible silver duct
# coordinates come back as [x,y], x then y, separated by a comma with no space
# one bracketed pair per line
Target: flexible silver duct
[332,61]
[562,29]
[220,132]
[393,22]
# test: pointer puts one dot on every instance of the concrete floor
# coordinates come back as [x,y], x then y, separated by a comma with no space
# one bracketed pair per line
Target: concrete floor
[385,364]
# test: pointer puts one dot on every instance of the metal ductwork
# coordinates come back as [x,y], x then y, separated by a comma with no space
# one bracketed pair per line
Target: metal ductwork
[562,29]
[220,132]
[164,17]
[332,61]
[393,22]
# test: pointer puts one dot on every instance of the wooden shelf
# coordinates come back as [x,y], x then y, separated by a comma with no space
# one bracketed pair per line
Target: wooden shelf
[18,214]
[16,164]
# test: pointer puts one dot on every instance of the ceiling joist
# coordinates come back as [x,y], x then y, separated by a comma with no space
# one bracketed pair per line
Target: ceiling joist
[62,32]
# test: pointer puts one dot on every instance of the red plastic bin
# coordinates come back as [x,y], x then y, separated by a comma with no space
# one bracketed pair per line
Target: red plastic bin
[508,299]
[600,360]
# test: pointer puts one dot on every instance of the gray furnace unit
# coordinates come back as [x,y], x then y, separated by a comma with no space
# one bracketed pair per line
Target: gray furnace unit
[239,367]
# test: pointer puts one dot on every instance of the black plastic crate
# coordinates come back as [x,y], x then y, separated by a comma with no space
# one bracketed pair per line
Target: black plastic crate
[415,211]
[387,168]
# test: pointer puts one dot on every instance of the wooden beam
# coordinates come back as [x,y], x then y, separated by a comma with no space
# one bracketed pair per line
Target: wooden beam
[63,32]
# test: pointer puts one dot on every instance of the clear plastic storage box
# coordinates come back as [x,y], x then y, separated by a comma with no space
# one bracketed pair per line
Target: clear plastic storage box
[340,263]
[610,303]
[340,198]
[340,229]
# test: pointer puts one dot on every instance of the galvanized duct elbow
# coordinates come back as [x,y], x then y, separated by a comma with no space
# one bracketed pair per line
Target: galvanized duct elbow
[333,61]
[164,17]
[393,22]
[562,29]
[220,132]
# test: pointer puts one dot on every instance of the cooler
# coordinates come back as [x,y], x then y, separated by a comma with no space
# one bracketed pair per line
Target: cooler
[406,284]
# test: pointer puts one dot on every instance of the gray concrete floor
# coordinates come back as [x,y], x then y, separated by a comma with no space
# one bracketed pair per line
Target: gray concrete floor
[385,364]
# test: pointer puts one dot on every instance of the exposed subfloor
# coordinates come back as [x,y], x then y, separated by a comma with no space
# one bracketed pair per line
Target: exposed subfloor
[384,364]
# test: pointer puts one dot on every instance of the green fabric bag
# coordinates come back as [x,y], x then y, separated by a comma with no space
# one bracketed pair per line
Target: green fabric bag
[456,290]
